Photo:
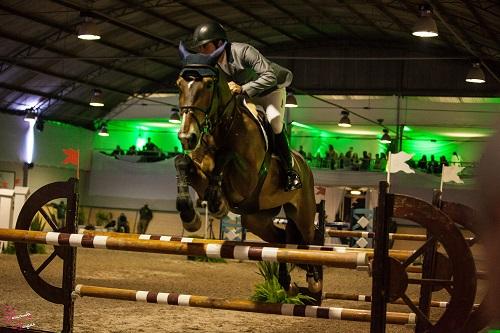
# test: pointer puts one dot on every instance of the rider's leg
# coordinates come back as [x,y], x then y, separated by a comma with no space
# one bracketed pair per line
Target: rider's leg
[274,104]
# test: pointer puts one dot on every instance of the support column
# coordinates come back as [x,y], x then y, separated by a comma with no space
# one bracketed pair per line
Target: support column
[6,196]
[20,195]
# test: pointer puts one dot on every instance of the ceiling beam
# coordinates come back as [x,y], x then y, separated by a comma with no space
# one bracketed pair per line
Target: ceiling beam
[245,11]
[381,7]
[152,12]
[25,90]
[482,24]
[325,14]
[41,45]
[223,22]
[300,19]
[362,17]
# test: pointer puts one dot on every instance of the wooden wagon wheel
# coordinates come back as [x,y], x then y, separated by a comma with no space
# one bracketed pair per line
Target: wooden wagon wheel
[34,205]
[464,216]
[461,285]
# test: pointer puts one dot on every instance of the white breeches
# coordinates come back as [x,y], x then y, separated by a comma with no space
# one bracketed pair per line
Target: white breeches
[274,106]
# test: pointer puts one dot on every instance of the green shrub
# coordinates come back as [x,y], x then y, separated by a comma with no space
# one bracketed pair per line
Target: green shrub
[271,291]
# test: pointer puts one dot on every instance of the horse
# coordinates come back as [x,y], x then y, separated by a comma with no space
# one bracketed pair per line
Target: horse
[229,164]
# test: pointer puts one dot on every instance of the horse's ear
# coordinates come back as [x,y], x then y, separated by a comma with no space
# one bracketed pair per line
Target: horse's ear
[183,52]
[214,56]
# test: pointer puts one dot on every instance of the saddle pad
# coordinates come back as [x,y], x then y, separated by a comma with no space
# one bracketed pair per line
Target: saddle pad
[252,108]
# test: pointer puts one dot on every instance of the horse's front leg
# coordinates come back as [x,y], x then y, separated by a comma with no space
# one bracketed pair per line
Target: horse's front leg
[217,204]
[186,169]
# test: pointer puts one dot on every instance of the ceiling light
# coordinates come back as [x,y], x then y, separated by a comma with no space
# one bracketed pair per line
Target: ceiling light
[344,120]
[88,30]
[355,192]
[476,74]
[425,26]
[175,117]
[291,101]
[30,116]
[386,138]
[96,98]
[103,131]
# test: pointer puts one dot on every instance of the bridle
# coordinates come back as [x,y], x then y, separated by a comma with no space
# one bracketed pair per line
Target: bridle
[208,125]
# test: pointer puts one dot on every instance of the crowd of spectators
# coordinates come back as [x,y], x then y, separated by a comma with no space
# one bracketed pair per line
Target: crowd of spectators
[365,161]
[150,152]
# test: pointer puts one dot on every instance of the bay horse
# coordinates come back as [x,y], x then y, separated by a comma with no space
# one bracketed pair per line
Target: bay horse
[229,164]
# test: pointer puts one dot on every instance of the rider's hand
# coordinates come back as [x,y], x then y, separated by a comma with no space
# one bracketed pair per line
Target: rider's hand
[235,88]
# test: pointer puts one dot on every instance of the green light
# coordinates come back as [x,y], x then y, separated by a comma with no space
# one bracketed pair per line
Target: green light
[143,128]
[294,123]
[140,142]
[174,121]
[406,129]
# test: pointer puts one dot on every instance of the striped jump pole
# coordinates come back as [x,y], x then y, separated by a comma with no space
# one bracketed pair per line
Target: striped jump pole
[398,254]
[367,234]
[210,250]
[239,305]
[368,298]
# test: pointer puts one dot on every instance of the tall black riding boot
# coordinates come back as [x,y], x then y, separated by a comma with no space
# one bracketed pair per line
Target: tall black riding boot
[292,178]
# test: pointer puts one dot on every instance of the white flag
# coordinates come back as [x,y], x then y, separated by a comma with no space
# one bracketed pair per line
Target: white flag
[450,174]
[397,163]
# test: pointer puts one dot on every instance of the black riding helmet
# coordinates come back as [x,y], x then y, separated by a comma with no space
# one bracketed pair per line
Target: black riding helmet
[208,32]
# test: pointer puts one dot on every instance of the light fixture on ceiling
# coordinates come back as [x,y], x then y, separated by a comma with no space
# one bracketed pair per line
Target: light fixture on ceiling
[88,30]
[344,120]
[386,138]
[355,192]
[476,74]
[30,116]
[103,131]
[425,26]
[291,101]
[174,116]
[96,98]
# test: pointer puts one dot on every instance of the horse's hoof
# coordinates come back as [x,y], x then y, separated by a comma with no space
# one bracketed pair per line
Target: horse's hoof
[192,225]
[314,286]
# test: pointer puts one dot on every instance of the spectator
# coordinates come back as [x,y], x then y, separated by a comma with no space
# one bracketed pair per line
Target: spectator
[365,161]
[145,216]
[456,159]
[309,157]
[174,153]
[117,151]
[341,160]
[302,152]
[331,157]
[122,225]
[383,161]
[150,146]
[317,161]
[376,163]
[348,158]
[432,166]
[422,163]
[356,162]
[132,151]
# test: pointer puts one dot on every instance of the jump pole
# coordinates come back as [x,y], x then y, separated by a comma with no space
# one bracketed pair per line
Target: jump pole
[367,234]
[211,250]
[398,254]
[239,305]
[368,299]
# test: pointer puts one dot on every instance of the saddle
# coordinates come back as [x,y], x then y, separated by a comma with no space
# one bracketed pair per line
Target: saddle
[259,116]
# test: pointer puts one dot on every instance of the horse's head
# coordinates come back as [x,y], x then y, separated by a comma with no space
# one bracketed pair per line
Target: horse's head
[197,84]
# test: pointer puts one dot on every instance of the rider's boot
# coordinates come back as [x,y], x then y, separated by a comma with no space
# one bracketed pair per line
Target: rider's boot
[292,178]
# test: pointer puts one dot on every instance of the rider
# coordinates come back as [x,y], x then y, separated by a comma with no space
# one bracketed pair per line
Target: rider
[263,81]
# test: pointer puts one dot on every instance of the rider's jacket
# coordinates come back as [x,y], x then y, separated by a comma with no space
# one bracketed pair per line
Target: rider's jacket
[256,75]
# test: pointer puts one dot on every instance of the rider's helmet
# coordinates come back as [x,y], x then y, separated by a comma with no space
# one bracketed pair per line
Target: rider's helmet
[208,32]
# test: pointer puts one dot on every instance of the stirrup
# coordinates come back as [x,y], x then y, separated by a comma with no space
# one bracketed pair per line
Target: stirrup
[292,181]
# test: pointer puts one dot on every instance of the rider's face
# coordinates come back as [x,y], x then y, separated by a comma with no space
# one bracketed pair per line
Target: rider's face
[207,48]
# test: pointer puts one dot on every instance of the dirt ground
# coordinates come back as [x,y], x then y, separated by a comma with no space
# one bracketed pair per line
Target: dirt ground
[167,273]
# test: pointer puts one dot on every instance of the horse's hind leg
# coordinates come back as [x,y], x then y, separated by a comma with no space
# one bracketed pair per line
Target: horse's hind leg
[262,225]
[185,167]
